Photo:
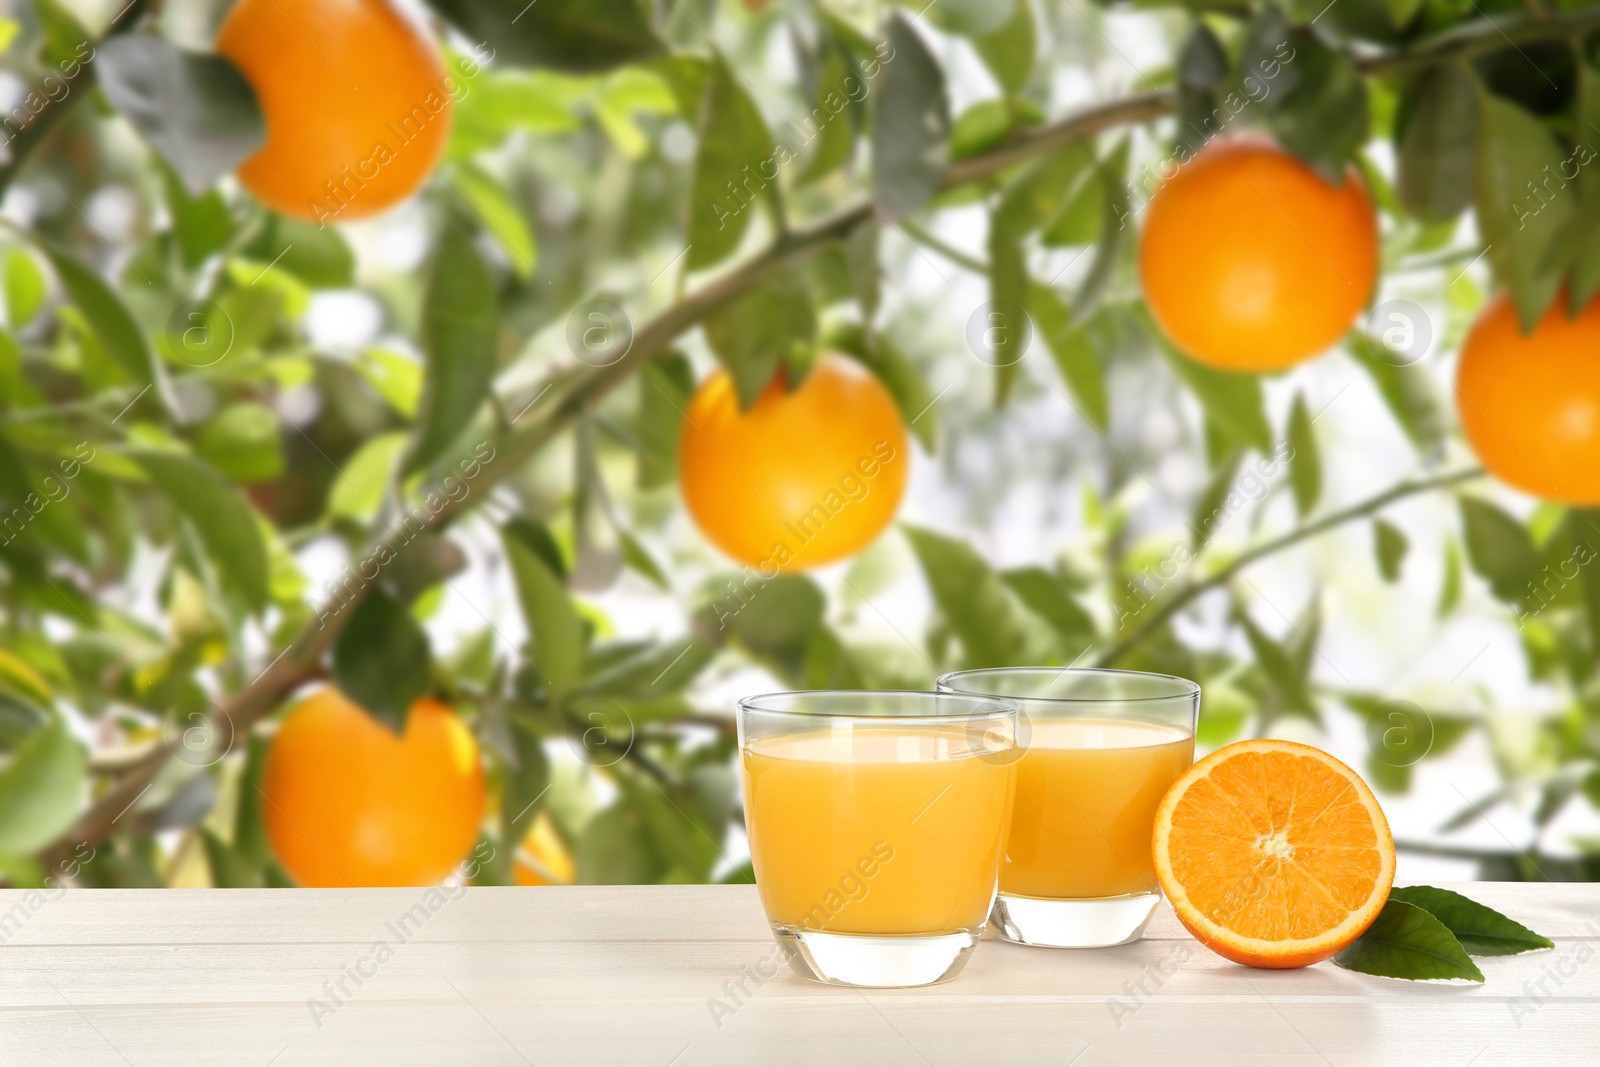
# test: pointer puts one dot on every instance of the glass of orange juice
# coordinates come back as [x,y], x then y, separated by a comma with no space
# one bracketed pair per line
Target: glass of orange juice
[875,822]
[1099,748]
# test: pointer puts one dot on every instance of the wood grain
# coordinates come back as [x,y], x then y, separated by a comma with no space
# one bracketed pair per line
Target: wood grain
[664,976]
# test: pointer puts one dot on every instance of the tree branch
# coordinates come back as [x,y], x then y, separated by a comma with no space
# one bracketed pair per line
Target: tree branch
[1190,593]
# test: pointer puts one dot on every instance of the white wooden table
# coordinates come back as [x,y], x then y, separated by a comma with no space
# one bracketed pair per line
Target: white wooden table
[650,976]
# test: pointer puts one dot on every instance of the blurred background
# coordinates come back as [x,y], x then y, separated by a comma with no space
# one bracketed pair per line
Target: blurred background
[215,402]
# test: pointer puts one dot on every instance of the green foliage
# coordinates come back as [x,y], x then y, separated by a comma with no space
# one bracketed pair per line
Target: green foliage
[184,443]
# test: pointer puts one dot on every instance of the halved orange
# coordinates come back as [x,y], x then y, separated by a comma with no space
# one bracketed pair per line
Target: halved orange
[1273,854]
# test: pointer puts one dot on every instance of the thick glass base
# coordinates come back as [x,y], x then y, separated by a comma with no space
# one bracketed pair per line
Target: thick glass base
[1096,922]
[886,962]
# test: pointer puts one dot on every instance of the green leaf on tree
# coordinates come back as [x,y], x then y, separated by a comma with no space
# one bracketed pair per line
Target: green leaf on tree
[1389,545]
[41,788]
[219,513]
[735,166]
[910,123]
[1499,549]
[578,36]
[460,327]
[196,109]
[1305,465]
[381,659]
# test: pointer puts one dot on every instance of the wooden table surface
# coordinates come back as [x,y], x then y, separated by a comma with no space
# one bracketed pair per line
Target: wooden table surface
[652,975]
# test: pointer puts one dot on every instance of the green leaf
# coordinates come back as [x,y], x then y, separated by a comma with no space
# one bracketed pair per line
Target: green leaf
[971,597]
[773,621]
[755,333]
[359,488]
[580,36]
[615,849]
[460,328]
[1074,355]
[1519,229]
[1008,300]
[910,123]
[242,442]
[24,287]
[967,18]
[980,127]
[1402,12]
[1009,51]
[1047,596]
[201,224]
[526,785]
[597,544]
[1281,670]
[1202,73]
[318,256]
[1438,144]
[1406,942]
[835,107]
[639,560]
[113,324]
[1305,466]
[224,520]
[735,166]
[381,659]
[1410,394]
[665,385]
[1389,546]
[1209,513]
[1044,189]
[1233,402]
[67,45]
[1450,586]
[1115,233]
[1585,279]
[1317,106]
[553,620]
[1585,528]
[196,109]
[1499,549]
[895,370]
[41,789]
[861,261]
[499,215]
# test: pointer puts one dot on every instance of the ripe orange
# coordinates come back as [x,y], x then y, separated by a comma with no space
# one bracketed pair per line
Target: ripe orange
[802,478]
[1530,405]
[347,803]
[1273,854]
[1251,261]
[355,99]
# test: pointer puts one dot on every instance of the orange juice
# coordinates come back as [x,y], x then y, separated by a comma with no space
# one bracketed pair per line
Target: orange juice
[868,829]
[1086,798]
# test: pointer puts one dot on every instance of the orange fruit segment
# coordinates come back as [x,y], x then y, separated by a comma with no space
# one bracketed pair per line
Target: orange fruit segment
[1273,854]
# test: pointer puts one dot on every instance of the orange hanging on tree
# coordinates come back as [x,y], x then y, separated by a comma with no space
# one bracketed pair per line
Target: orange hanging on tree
[1530,403]
[1251,261]
[801,479]
[356,101]
[347,803]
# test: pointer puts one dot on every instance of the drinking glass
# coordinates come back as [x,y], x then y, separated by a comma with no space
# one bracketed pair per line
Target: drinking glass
[1099,748]
[875,822]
